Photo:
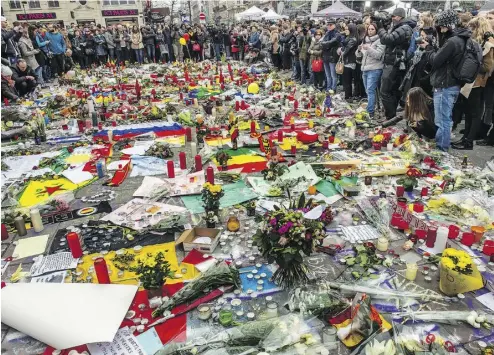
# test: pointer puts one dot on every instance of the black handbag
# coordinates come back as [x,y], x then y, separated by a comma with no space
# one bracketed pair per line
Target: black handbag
[89,51]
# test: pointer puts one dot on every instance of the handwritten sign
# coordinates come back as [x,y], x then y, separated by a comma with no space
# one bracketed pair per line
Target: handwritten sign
[413,221]
[132,12]
[124,343]
[38,16]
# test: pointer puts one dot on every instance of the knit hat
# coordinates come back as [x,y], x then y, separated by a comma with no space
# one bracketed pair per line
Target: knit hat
[447,18]
[6,71]
[399,12]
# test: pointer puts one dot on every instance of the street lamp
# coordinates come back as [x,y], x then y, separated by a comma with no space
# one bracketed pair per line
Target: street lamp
[24,3]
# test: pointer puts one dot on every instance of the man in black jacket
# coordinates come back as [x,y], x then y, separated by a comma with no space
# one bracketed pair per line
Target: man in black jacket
[330,43]
[303,43]
[24,77]
[452,41]
[397,41]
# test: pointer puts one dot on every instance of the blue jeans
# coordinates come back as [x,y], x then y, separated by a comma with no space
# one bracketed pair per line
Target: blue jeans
[295,69]
[151,52]
[372,79]
[331,77]
[39,75]
[217,51]
[139,55]
[444,100]
[304,70]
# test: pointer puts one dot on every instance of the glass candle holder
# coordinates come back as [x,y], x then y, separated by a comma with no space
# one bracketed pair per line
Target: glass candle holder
[411,271]
[329,335]
[382,244]
[272,310]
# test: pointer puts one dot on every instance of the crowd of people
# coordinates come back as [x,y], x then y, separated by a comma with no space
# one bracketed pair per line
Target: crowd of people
[434,71]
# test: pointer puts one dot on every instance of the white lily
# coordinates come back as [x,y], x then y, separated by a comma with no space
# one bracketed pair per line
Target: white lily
[378,348]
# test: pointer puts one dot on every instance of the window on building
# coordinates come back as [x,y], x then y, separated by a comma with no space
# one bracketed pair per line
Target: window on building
[53,3]
[15,4]
[34,5]
[118,2]
[132,2]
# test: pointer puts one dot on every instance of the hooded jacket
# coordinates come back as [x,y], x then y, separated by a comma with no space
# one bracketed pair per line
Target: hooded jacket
[303,45]
[9,42]
[397,40]
[373,57]
[350,47]
[330,43]
[19,76]
[447,58]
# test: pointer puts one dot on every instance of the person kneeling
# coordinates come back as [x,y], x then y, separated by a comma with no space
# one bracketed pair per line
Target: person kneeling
[24,77]
[419,113]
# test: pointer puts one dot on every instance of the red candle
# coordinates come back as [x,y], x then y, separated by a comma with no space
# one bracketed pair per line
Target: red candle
[237,106]
[74,245]
[183,160]
[400,190]
[421,233]
[468,238]
[65,127]
[295,105]
[3,284]
[100,126]
[395,219]
[331,139]
[252,126]
[325,144]
[431,237]
[280,136]
[488,247]
[454,231]
[198,161]
[293,149]
[242,105]
[80,123]
[5,232]
[101,271]
[170,167]
[418,207]
[188,134]
[210,175]
[424,192]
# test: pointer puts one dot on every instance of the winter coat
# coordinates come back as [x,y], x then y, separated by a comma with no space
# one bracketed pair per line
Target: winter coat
[285,42]
[9,42]
[487,65]
[160,38]
[28,52]
[110,41]
[396,40]
[446,59]
[68,44]
[78,45]
[419,72]
[275,38]
[304,43]
[254,40]
[57,42]
[331,41]
[373,57]
[100,45]
[316,49]
[9,92]
[120,39]
[19,76]
[136,39]
[148,37]
[349,48]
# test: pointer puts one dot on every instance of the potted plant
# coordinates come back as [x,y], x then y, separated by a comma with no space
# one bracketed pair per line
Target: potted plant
[222,158]
[377,141]
[211,195]
[409,182]
[251,208]
[153,272]
[211,219]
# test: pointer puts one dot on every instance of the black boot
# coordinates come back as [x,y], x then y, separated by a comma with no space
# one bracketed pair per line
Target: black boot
[460,141]
[465,145]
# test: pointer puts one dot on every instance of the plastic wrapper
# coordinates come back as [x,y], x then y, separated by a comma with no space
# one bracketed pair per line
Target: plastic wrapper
[452,282]
[317,300]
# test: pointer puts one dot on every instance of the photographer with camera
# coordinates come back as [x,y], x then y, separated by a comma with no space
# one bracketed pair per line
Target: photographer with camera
[397,41]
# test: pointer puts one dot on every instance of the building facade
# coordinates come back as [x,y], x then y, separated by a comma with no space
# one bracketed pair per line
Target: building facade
[65,12]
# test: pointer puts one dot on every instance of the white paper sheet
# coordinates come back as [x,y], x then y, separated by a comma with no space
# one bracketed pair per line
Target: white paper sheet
[124,343]
[77,175]
[56,277]
[66,315]
[114,164]
[487,300]
[23,164]
[54,262]
[30,246]
[150,185]
[139,148]
[360,233]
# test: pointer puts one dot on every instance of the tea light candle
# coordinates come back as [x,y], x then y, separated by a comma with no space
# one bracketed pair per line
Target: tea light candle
[36,220]
[382,244]
[411,271]
[272,310]
[204,312]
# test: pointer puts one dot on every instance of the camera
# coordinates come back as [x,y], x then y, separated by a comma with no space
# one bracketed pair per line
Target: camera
[382,17]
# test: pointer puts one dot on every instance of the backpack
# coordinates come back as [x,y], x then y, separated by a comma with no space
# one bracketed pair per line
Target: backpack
[469,66]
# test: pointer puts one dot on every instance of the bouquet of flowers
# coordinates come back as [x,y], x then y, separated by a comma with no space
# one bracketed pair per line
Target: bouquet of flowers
[458,274]
[222,157]
[273,171]
[378,138]
[318,300]
[211,195]
[216,276]
[160,150]
[283,236]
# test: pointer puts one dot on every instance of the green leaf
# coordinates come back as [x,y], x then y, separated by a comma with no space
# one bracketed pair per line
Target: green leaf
[301,201]
[363,259]
[374,276]
[350,261]
[355,274]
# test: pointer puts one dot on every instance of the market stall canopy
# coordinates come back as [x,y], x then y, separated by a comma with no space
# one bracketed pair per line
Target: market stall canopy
[253,12]
[410,12]
[337,10]
[488,6]
[271,15]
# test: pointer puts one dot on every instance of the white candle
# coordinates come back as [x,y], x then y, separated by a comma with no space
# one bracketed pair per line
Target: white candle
[441,239]
[193,148]
[389,147]
[90,105]
[382,244]
[213,111]
[36,220]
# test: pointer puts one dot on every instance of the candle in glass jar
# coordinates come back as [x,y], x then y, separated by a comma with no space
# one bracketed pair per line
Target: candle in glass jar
[204,312]
[272,310]
[382,244]
[411,271]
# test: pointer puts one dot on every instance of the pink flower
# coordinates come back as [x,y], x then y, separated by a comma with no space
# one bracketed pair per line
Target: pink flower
[283,241]
[308,236]
[273,221]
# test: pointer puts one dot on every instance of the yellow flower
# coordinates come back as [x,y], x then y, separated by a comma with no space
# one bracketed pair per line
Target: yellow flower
[378,138]
[447,262]
[462,265]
